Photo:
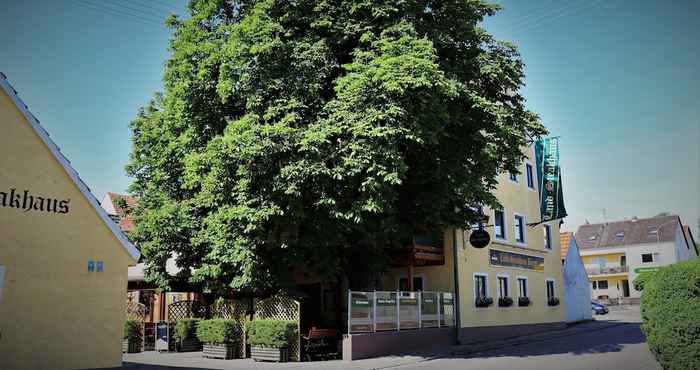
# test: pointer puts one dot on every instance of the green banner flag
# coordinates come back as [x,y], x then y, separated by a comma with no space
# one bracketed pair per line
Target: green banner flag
[549,179]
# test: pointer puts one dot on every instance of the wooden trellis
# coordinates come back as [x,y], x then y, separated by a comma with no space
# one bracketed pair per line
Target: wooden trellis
[282,308]
[135,311]
[232,310]
[186,309]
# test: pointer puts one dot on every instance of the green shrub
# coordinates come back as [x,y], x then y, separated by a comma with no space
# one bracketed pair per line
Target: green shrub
[132,330]
[271,333]
[641,280]
[186,329]
[219,331]
[670,312]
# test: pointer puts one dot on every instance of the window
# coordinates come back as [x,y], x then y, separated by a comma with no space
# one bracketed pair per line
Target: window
[528,174]
[623,261]
[592,238]
[647,258]
[480,286]
[595,284]
[602,284]
[519,228]
[550,290]
[513,176]
[547,236]
[503,286]
[499,224]
[620,235]
[522,287]
[417,284]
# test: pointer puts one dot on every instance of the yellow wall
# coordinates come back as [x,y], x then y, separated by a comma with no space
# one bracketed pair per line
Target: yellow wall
[610,258]
[516,198]
[53,313]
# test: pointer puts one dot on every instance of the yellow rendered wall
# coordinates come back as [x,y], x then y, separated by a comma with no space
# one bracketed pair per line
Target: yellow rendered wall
[516,198]
[610,258]
[53,313]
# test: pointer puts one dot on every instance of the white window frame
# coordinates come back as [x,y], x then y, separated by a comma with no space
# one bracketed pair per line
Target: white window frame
[534,180]
[527,287]
[547,231]
[515,230]
[554,288]
[641,257]
[498,285]
[505,224]
[486,276]
[516,181]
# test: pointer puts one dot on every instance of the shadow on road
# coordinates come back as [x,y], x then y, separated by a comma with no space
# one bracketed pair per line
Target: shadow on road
[598,341]
[137,366]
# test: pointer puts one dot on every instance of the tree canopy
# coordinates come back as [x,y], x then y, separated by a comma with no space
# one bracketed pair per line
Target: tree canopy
[321,135]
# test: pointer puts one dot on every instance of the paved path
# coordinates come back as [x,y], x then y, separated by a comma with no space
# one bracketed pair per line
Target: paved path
[615,342]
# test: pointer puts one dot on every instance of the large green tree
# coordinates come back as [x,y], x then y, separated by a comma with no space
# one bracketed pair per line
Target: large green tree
[321,135]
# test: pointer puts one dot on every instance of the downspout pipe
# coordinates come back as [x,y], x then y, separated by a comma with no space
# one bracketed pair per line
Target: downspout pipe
[455,266]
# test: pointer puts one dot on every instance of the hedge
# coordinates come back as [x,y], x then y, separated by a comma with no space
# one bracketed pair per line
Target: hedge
[670,315]
[271,333]
[641,280]
[186,329]
[132,330]
[219,331]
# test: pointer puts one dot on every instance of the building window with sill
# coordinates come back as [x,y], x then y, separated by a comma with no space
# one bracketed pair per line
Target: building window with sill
[522,287]
[480,286]
[528,174]
[551,293]
[602,284]
[650,257]
[547,236]
[519,228]
[499,224]
[503,287]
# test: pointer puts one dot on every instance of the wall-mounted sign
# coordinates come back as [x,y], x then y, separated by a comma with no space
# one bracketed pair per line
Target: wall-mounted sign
[640,270]
[509,259]
[479,238]
[27,201]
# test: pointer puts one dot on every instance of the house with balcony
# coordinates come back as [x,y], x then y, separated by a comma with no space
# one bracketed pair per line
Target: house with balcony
[615,253]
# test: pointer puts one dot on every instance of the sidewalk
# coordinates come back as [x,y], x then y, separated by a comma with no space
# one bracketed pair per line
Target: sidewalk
[194,360]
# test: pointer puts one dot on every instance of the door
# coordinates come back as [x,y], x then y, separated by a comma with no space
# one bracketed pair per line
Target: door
[625,288]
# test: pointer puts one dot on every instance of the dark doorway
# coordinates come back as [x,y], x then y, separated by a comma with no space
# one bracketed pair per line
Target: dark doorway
[310,306]
[625,288]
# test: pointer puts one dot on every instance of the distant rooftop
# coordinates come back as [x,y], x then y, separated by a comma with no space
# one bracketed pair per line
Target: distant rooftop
[628,232]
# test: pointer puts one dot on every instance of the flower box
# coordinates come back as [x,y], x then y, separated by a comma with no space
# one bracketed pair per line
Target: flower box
[505,302]
[226,351]
[554,301]
[483,301]
[259,353]
[188,345]
[523,302]
[131,346]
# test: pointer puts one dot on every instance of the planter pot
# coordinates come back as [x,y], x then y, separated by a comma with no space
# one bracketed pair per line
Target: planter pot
[505,302]
[523,302]
[131,346]
[226,351]
[189,345]
[269,354]
[553,302]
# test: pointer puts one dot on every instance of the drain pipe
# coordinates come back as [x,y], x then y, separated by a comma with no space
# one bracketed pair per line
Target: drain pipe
[455,260]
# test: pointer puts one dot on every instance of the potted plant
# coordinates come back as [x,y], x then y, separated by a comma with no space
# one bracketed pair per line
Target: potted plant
[132,337]
[270,339]
[186,336]
[483,301]
[220,338]
[505,302]
[523,301]
[554,301]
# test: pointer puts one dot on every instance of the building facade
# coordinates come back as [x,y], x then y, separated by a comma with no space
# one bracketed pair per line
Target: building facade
[615,253]
[521,261]
[63,261]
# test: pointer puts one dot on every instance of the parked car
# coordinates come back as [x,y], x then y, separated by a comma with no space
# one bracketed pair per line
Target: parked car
[599,308]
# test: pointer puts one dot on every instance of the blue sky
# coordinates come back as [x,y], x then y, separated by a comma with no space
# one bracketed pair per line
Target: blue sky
[618,81]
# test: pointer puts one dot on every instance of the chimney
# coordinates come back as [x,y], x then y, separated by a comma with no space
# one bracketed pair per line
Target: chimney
[634,219]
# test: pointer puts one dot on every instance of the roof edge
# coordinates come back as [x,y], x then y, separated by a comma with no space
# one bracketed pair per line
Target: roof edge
[72,173]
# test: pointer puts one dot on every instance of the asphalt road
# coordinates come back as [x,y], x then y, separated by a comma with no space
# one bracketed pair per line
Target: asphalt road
[620,347]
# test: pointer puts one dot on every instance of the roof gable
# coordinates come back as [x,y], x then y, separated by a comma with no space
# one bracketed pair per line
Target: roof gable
[72,174]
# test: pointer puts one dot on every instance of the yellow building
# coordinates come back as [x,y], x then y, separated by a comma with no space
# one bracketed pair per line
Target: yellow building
[63,261]
[520,261]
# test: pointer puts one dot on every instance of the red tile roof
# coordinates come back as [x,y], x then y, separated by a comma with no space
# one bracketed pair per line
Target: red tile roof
[564,239]
[126,216]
